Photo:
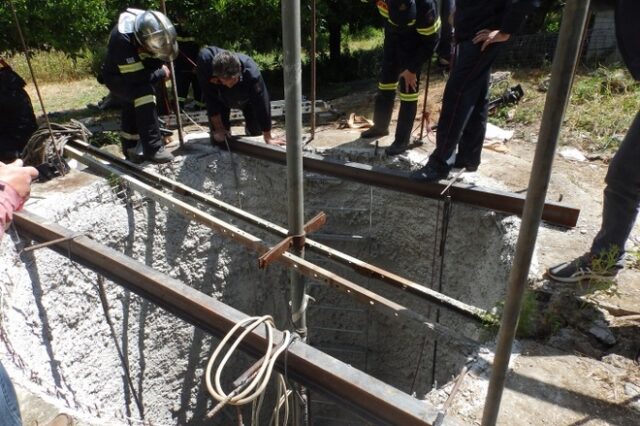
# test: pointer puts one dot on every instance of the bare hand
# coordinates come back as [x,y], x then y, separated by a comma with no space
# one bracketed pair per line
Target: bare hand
[487,37]
[410,81]
[18,177]
[221,135]
[167,72]
[275,141]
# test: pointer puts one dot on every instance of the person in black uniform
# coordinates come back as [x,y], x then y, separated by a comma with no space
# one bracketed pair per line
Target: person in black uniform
[139,46]
[233,80]
[185,67]
[411,31]
[480,26]
[444,46]
[622,193]
[17,120]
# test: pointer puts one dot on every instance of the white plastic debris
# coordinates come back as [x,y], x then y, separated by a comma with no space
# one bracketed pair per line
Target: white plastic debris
[573,154]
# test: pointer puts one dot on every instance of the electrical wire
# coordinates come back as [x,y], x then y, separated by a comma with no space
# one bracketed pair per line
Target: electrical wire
[252,389]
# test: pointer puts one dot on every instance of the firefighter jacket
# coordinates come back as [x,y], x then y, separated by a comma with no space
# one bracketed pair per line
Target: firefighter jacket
[127,64]
[628,34]
[507,16]
[250,89]
[189,48]
[416,25]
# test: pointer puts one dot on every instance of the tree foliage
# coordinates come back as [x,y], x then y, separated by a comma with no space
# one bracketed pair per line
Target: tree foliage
[72,26]
[66,25]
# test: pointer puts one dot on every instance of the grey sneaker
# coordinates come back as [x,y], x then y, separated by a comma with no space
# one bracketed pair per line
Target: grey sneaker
[585,267]
[161,156]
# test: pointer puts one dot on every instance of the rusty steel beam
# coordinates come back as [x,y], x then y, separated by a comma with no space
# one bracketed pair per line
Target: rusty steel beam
[368,396]
[290,260]
[363,268]
[506,202]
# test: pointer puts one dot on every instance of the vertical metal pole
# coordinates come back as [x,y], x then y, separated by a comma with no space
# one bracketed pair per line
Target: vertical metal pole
[291,46]
[313,68]
[35,84]
[172,68]
[562,73]
[293,120]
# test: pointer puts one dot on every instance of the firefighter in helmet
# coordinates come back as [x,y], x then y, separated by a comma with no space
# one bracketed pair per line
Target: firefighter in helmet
[139,47]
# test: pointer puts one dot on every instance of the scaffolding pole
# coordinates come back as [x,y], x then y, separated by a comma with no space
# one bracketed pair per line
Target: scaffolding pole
[562,73]
[314,28]
[291,46]
[293,122]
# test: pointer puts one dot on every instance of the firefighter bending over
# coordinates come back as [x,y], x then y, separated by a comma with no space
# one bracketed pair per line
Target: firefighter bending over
[139,46]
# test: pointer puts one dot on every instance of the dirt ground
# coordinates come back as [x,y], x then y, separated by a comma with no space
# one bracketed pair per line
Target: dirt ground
[567,376]
[585,371]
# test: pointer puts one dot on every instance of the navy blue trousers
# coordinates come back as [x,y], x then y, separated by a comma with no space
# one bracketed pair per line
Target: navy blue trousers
[621,195]
[139,115]
[463,119]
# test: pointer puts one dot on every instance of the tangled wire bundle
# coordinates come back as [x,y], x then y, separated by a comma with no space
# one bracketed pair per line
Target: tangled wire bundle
[44,149]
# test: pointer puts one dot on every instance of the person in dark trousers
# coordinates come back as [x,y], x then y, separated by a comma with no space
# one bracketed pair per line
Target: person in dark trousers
[481,27]
[411,31]
[139,46]
[443,50]
[622,192]
[17,120]
[185,67]
[233,80]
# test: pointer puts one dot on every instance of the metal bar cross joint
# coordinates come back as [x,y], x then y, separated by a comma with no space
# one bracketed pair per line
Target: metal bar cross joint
[292,240]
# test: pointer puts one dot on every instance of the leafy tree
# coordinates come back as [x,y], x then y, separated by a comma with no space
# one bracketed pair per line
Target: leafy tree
[66,25]
[334,15]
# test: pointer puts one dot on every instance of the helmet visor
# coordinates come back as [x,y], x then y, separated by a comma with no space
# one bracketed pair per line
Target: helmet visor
[162,46]
[157,35]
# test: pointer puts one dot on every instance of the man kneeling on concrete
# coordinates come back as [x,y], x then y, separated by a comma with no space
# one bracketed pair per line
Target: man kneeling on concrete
[139,46]
[233,80]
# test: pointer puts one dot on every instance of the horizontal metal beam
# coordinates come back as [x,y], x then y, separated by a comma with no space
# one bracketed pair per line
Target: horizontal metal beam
[365,269]
[303,266]
[553,213]
[366,395]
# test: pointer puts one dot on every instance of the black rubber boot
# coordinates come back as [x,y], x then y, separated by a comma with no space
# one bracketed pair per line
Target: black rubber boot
[134,153]
[406,116]
[381,115]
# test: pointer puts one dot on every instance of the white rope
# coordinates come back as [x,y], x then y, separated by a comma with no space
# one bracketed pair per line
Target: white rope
[253,389]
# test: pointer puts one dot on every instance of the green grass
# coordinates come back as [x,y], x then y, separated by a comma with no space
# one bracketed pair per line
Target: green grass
[54,66]
[634,259]
[603,104]
[368,39]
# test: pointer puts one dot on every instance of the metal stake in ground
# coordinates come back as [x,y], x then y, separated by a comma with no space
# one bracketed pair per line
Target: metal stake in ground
[175,89]
[425,114]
